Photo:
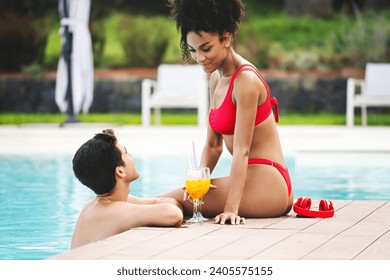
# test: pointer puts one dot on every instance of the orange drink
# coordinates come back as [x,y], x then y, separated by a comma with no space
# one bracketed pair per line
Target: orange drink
[197,184]
[197,188]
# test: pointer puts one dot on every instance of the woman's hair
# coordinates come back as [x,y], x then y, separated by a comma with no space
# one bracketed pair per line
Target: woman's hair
[95,162]
[211,16]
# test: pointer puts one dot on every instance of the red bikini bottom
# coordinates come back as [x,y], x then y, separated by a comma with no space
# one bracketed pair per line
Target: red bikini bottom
[279,167]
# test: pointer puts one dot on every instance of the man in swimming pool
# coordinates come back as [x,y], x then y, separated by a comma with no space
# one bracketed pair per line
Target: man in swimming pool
[105,166]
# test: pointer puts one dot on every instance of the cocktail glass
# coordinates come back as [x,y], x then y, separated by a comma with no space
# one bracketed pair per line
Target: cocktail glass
[197,185]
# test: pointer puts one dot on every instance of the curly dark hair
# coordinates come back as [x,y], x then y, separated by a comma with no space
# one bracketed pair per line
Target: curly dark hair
[95,161]
[212,16]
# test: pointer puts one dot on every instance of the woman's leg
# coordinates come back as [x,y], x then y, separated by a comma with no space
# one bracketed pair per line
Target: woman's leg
[265,195]
[215,198]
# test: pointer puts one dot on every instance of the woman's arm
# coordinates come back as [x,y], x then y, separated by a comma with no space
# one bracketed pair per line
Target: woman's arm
[212,149]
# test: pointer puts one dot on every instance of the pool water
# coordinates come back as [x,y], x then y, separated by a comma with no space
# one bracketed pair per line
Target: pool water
[41,199]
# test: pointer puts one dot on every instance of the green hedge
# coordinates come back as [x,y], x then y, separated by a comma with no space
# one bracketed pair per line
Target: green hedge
[22,41]
[273,40]
[145,40]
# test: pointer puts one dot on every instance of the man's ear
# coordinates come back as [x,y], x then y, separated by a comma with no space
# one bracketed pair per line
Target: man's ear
[120,171]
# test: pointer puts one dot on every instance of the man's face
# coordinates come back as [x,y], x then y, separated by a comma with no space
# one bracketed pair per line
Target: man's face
[130,169]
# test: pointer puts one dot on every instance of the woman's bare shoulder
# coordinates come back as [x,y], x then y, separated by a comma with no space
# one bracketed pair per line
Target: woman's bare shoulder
[214,78]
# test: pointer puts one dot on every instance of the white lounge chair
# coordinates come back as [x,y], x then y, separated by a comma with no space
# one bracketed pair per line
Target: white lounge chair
[374,91]
[177,86]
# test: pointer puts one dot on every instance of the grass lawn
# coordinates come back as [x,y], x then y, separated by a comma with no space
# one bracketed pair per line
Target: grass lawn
[174,118]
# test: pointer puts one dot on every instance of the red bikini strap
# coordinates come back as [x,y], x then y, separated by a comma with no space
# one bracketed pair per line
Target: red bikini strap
[257,72]
[235,74]
[273,100]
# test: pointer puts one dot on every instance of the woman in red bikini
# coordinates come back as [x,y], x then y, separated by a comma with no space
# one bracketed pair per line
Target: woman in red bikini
[241,117]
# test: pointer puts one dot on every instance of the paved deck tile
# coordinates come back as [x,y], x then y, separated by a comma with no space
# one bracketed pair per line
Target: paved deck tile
[359,230]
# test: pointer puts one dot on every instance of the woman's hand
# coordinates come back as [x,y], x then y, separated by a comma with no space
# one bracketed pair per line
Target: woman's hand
[187,197]
[229,216]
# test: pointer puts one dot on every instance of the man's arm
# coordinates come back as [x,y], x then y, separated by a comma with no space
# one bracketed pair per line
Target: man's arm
[140,201]
[154,200]
[129,215]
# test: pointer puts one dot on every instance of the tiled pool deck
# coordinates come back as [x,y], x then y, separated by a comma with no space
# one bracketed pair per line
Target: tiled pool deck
[359,229]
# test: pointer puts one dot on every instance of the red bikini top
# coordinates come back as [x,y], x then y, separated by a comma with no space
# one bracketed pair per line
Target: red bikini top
[223,118]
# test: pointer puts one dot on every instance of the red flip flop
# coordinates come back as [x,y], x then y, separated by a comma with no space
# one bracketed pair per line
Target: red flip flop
[303,204]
